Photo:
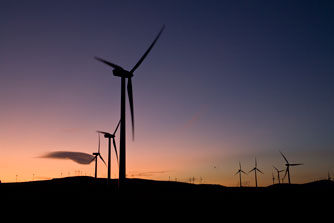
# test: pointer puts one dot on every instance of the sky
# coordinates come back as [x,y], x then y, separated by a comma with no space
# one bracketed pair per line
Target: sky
[226,82]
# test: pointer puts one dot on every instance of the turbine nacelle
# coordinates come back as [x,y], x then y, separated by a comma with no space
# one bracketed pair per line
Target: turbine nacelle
[293,164]
[107,134]
[120,72]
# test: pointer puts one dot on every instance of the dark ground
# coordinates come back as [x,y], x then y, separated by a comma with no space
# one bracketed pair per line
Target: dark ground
[88,188]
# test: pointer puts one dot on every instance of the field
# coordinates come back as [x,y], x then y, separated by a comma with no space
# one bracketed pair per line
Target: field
[88,188]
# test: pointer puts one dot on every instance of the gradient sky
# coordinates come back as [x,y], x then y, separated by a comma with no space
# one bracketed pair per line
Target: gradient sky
[227,81]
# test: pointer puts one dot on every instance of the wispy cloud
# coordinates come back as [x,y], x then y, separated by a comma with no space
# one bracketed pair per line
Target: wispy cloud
[148,173]
[78,157]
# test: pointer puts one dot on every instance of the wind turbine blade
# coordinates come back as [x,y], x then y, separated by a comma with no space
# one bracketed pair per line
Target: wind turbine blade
[275,168]
[255,163]
[260,171]
[102,159]
[243,172]
[148,50]
[93,159]
[98,150]
[117,127]
[251,170]
[284,158]
[130,94]
[113,141]
[296,164]
[239,165]
[103,132]
[286,172]
[237,172]
[108,63]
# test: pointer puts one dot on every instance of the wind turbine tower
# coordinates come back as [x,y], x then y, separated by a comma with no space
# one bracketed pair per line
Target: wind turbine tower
[288,165]
[125,74]
[255,169]
[98,155]
[110,136]
[240,171]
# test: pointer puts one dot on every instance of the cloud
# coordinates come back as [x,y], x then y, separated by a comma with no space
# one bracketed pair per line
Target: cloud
[148,173]
[78,157]
[42,178]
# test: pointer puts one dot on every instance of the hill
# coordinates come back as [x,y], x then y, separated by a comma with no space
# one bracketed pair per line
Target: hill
[88,188]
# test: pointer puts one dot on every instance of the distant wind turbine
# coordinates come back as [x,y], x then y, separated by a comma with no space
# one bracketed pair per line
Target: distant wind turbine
[255,169]
[329,176]
[124,74]
[278,177]
[287,171]
[109,137]
[239,172]
[273,177]
[98,155]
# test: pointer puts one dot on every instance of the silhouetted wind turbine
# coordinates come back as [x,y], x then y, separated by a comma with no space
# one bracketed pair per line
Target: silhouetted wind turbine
[287,171]
[278,177]
[273,178]
[124,74]
[239,172]
[109,137]
[255,169]
[97,155]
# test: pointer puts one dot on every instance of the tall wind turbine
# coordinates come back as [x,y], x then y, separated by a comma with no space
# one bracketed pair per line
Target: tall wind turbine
[125,74]
[255,169]
[97,155]
[239,172]
[278,177]
[109,137]
[287,171]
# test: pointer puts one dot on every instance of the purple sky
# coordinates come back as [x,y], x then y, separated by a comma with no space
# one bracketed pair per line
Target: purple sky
[227,81]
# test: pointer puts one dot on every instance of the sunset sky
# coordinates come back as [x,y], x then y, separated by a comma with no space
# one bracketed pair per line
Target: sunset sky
[226,81]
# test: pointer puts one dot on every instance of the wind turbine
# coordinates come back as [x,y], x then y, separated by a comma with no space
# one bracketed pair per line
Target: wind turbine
[109,137]
[273,178]
[287,171]
[278,177]
[255,169]
[125,74]
[96,155]
[239,172]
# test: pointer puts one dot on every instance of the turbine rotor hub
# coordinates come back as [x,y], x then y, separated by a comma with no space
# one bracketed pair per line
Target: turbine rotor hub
[120,72]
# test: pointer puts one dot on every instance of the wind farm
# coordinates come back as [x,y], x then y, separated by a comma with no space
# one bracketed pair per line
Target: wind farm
[211,100]
[278,176]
